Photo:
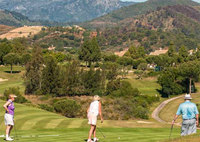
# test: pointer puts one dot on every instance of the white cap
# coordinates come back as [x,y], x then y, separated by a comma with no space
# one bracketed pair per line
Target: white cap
[188,97]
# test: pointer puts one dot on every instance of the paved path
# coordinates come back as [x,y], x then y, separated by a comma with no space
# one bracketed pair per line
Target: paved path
[156,112]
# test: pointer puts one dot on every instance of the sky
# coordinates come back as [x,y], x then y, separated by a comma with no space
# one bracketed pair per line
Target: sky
[146,0]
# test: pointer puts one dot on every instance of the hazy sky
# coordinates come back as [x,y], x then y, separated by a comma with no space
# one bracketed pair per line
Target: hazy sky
[146,0]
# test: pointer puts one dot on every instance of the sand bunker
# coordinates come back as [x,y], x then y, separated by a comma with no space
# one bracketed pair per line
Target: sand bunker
[1,79]
[144,122]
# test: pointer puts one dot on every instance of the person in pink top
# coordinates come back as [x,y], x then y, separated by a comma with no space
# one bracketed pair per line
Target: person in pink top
[93,111]
[9,116]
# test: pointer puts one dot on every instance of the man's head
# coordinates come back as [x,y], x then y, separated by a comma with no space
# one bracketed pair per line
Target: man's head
[188,97]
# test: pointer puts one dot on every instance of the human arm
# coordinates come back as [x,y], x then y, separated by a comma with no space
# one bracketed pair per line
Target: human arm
[179,112]
[197,115]
[100,112]
[6,106]
[175,117]
[88,109]
[197,119]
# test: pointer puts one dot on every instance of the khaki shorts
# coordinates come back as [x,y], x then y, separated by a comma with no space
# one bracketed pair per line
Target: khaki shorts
[9,119]
[92,119]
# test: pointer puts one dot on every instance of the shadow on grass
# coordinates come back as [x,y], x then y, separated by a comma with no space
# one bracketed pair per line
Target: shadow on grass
[14,72]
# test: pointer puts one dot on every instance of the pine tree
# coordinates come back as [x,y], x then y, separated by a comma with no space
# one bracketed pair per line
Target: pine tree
[50,77]
[34,72]
[90,51]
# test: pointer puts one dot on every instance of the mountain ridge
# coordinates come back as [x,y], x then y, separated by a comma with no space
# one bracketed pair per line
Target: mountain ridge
[135,10]
[178,24]
[62,10]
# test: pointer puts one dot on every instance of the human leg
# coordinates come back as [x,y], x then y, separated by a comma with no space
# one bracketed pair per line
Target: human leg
[192,127]
[90,133]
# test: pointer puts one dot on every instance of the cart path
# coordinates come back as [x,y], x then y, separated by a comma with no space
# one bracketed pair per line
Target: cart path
[156,112]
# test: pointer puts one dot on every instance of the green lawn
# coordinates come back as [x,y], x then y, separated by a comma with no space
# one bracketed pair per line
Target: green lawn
[80,134]
[33,124]
[147,86]
[14,80]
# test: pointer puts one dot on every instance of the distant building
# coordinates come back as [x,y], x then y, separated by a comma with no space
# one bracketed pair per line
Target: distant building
[51,48]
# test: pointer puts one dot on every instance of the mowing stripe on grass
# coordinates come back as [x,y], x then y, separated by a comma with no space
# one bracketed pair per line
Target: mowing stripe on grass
[31,123]
[42,123]
[54,123]
[64,124]
[76,123]
[20,122]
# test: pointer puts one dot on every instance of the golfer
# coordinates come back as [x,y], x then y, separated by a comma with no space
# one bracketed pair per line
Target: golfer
[9,116]
[93,111]
[190,116]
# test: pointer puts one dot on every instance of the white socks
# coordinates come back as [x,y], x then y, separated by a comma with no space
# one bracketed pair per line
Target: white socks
[7,136]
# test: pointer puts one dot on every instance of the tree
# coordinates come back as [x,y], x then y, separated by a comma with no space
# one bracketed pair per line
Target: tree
[171,50]
[50,77]
[170,82]
[135,53]
[142,66]
[11,59]
[183,54]
[72,83]
[90,51]
[191,71]
[25,58]
[5,48]
[34,72]
[92,81]
[112,70]
[18,47]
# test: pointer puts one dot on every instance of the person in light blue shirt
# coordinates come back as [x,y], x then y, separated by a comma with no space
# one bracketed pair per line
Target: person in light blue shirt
[190,116]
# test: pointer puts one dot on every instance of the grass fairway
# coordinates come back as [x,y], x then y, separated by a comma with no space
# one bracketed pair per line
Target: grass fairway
[147,86]
[14,80]
[80,134]
[33,124]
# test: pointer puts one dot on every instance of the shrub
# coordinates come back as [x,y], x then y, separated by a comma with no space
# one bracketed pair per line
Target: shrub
[19,99]
[68,108]
[46,107]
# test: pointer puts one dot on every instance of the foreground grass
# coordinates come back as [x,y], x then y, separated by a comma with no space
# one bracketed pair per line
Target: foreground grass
[80,134]
[33,124]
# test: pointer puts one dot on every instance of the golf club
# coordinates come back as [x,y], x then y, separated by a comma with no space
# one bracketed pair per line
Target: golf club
[101,132]
[16,135]
[171,131]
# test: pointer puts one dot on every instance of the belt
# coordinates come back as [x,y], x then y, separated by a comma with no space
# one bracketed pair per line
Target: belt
[189,119]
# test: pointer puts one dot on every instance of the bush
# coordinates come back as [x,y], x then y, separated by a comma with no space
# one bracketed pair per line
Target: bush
[19,99]
[68,108]
[46,107]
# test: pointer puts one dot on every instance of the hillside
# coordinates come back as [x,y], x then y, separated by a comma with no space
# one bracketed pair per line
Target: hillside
[5,29]
[11,18]
[26,31]
[157,29]
[62,10]
[135,10]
